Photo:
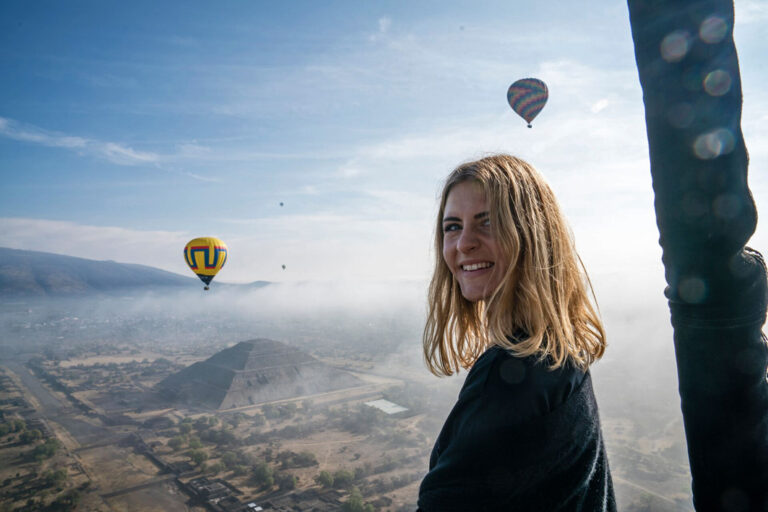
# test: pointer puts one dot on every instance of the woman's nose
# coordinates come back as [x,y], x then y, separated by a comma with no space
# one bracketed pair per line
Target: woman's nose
[467,241]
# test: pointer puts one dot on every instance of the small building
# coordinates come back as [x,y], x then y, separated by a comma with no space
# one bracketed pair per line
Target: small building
[207,489]
[388,407]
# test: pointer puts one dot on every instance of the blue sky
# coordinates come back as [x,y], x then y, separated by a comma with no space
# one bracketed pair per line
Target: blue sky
[127,129]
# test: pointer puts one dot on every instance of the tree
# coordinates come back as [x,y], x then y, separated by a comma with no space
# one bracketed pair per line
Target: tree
[198,456]
[29,436]
[194,443]
[270,411]
[202,423]
[287,410]
[262,474]
[343,479]
[325,478]
[258,420]
[66,502]
[54,478]
[229,459]
[176,443]
[46,450]
[185,428]
[286,481]
[355,503]
[216,468]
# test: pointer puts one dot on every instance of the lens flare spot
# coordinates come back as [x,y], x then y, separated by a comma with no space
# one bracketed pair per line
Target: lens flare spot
[680,115]
[713,29]
[726,206]
[675,46]
[717,83]
[692,290]
[713,144]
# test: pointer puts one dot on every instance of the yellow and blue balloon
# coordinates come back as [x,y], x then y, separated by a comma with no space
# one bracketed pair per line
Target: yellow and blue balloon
[205,256]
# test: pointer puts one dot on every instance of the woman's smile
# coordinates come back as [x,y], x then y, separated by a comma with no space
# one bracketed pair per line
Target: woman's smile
[470,248]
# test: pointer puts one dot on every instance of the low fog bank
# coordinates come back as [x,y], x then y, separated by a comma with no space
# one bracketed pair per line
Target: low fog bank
[379,322]
[378,327]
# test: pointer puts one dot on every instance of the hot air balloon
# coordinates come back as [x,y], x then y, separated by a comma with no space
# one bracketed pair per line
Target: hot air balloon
[281,203]
[205,256]
[283,267]
[527,97]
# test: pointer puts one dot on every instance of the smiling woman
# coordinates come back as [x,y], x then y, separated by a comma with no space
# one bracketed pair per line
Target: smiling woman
[509,300]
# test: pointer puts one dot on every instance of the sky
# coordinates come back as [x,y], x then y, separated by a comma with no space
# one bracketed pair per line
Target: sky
[129,128]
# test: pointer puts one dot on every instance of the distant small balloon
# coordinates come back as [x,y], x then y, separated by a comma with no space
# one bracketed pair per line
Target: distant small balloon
[283,267]
[281,203]
[527,97]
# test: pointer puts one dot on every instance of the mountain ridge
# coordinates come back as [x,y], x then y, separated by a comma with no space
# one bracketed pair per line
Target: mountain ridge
[42,274]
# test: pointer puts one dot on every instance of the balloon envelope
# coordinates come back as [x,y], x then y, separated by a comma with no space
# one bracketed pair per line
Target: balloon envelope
[205,256]
[527,97]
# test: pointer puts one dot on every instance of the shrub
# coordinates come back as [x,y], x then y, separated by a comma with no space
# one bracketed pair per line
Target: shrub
[46,450]
[29,436]
[325,478]
[262,474]
[198,456]
[216,468]
[343,479]
[355,503]
[286,481]
[176,443]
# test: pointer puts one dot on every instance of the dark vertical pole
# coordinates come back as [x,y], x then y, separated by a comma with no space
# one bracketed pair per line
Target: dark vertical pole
[689,73]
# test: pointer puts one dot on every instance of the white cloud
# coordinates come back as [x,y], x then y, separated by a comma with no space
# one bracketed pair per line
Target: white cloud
[751,11]
[192,150]
[348,172]
[384,24]
[112,151]
[599,105]
[159,249]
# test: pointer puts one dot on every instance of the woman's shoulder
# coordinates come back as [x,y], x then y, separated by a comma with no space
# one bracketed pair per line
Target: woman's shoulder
[523,386]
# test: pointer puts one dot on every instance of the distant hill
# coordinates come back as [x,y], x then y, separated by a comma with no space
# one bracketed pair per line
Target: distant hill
[42,274]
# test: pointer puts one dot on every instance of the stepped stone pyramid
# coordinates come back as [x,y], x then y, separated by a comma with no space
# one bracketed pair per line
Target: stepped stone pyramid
[253,372]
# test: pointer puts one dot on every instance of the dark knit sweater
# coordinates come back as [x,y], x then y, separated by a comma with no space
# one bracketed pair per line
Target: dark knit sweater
[520,437]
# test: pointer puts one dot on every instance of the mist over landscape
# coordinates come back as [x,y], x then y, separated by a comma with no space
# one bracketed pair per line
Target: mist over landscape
[368,329]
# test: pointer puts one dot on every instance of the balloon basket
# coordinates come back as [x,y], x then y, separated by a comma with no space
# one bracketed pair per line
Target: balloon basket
[207,288]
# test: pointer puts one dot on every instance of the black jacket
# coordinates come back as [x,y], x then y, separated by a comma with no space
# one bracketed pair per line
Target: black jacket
[521,438]
[705,214]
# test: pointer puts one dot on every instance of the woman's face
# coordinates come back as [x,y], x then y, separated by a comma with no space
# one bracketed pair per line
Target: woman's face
[470,250]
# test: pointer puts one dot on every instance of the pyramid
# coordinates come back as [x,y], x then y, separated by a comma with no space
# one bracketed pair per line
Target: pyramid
[253,372]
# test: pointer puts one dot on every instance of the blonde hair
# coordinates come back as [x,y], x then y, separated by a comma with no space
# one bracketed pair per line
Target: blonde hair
[544,289]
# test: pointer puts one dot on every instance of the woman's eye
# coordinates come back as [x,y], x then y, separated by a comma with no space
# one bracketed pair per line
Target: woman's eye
[451,227]
[486,223]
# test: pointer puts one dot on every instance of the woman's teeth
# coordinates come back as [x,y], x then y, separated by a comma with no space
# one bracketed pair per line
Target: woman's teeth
[477,266]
